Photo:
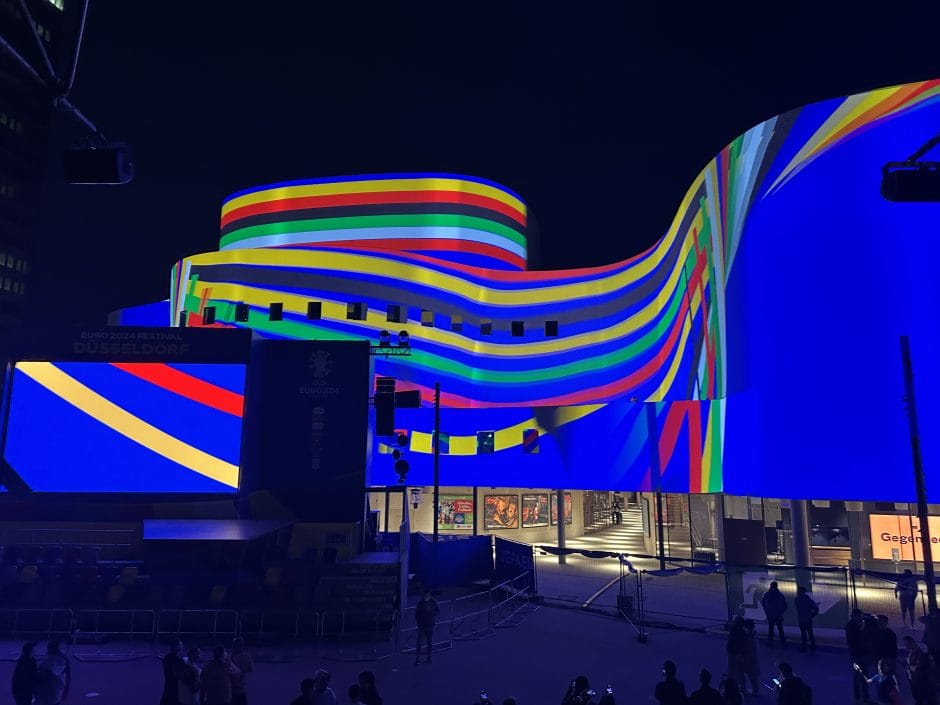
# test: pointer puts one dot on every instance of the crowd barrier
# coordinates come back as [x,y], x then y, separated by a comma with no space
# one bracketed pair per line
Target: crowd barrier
[32,625]
[359,635]
[113,635]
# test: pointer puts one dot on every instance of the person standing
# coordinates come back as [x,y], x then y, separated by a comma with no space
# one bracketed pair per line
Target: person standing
[887,691]
[53,677]
[241,659]
[307,686]
[919,674]
[172,665]
[775,606]
[425,616]
[322,693]
[369,692]
[355,695]
[737,649]
[24,675]
[189,679]
[906,591]
[751,660]
[670,690]
[806,611]
[217,679]
[791,689]
[705,695]
[887,642]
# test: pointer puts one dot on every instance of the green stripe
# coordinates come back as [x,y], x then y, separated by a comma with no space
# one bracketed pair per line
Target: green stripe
[373,221]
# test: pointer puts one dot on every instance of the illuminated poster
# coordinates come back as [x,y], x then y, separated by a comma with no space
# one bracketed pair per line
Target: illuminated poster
[501,511]
[534,510]
[554,507]
[125,427]
[901,532]
[456,512]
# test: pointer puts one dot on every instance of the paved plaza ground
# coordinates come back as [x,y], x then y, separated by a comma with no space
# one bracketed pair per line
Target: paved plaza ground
[532,661]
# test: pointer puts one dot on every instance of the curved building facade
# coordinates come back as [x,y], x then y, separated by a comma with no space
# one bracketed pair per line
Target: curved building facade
[753,349]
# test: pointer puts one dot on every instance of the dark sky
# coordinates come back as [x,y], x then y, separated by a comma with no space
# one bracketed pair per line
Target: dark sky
[598,114]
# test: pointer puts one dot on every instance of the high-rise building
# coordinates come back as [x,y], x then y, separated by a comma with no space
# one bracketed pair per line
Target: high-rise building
[25,115]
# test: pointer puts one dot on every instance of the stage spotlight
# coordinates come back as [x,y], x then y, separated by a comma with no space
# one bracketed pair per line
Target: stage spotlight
[404,340]
[911,182]
[385,339]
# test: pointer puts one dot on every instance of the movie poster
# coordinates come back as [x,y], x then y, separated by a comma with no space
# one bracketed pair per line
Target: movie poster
[456,512]
[534,510]
[554,506]
[501,511]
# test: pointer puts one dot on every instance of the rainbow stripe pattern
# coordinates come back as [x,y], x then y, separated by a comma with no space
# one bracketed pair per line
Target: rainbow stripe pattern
[126,427]
[635,381]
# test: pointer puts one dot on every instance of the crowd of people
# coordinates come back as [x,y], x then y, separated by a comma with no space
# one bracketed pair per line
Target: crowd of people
[43,681]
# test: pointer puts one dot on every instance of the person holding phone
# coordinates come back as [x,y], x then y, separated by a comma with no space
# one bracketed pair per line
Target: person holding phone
[887,691]
[790,688]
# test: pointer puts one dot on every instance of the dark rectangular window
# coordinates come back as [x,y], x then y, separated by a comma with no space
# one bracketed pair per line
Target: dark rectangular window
[182,319]
[356,311]
[551,329]
[518,329]
[314,310]
[486,327]
[395,314]
[276,312]
[427,318]
[486,442]
[208,315]
[241,313]
[456,323]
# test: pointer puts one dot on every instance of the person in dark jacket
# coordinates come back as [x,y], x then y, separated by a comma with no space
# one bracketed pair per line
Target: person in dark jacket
[906,591]
[854,639]
[425,616]
[705,695]
[806,611]
[792,690]
[578,693]
[737,649]
[919,673]
[172,665]
[369,692]
[24,675]
[670,690]
[775,606]
[751,659]
[887,642]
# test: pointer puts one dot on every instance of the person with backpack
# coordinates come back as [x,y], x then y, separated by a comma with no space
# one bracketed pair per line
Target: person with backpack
[887,691]
[791,689]
[806,611]
[775,605]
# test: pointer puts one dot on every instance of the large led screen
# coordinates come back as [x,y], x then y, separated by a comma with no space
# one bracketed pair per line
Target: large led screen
[124,427]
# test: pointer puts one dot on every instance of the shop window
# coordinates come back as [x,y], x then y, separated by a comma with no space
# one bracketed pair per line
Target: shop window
[517,329]
[276,312]
[314,310]
[551,329]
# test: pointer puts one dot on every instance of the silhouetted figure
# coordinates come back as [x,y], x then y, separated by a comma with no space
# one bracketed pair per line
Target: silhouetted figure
[932,636]
[751,659]
[190,676]
[887,691]
[322,693]
[369,693]
[705,695]
[172,663]
[242,660]
[775,606]
[792,690]
[355,694]
[24,675]
[855,641]
[425,616]
[919,673]
[579,692]
[670,690]
[887,642]
[53,677]
[217,678]
[509,701]
[307,686]
[736,647]
[806,611]
[906,591]
[731,693]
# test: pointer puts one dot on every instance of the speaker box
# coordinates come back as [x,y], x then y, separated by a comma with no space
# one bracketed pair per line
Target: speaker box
[100,165]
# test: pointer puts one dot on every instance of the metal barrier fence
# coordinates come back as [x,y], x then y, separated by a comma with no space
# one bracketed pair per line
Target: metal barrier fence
[442,636]
[113,635]
[33,625]
[197,625]
[359,635]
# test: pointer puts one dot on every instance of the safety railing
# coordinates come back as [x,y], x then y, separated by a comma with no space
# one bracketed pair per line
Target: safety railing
[113,635]
[275,634]
[197,624]
[442,637]
[471,617]
[359,635]
[34,624]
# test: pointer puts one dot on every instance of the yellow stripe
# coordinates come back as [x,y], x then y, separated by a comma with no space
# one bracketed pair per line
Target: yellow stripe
[504,438]
[380,185]
[125,423]
[670,376]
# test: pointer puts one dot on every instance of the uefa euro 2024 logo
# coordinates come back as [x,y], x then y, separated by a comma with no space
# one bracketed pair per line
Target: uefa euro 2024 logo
[321,362]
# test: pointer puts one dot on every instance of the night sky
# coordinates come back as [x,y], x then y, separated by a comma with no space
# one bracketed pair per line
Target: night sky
[598,114]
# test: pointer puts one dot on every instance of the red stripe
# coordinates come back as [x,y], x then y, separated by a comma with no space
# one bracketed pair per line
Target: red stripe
[362,199]
[669,435]
[185,385]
